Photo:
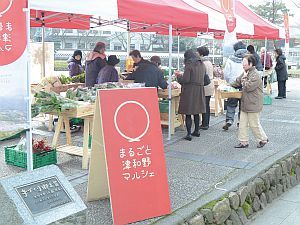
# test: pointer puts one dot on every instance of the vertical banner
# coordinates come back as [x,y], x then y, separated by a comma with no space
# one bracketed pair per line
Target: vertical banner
[136,168]
[228,7]
[287,34]
[13,67]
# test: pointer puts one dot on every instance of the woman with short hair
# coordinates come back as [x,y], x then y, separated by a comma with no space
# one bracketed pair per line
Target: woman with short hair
[251,104]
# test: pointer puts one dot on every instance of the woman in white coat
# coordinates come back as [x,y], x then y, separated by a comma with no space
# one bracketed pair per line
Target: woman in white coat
[209,89]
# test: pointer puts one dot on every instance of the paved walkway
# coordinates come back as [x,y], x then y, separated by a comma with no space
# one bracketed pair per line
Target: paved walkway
[203,169]
[283,211]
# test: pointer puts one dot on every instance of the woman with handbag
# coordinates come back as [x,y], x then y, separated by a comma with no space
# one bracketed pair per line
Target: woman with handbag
[209,88]
[192,98]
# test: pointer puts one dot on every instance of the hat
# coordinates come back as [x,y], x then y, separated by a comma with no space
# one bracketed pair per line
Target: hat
[113,60]
[77,52]
[99,45]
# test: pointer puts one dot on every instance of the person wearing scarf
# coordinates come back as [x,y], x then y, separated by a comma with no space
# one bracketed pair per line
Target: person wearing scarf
[95,61]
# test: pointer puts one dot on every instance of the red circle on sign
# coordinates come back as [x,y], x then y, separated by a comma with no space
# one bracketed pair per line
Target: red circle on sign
[132,120]
[13,38]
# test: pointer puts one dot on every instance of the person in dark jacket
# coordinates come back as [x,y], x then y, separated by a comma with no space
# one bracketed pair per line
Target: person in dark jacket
[281,73]
[258,65]
[109,73]
[95,61]
[74,64]
[146,72]
[192,98]
[156,60]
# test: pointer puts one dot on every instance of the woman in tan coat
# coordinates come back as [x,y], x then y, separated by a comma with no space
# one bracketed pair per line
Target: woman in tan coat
[251,104]
[192,98]
[209,89]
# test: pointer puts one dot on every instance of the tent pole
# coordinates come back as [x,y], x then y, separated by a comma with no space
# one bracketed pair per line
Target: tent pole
[128,38]
[28,99]
[213,53]
[178,37]
[169,81]
[43,49]
[265,58]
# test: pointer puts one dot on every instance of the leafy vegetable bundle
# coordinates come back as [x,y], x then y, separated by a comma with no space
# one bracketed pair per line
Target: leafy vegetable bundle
[47,102]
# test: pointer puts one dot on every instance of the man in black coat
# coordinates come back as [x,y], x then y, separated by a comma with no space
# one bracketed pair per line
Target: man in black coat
[146,72]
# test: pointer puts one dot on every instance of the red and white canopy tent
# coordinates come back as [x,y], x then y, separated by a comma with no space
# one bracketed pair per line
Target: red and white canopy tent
[184,17]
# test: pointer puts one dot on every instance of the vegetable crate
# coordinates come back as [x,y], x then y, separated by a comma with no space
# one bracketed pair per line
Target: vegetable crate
[164,106]
[19,158]
[235,94]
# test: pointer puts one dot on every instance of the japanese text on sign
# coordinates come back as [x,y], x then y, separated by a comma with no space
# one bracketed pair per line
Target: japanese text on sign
[6,42]
[136,162]
[43,195]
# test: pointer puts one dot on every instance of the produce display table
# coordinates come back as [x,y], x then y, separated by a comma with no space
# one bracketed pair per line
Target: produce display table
[218,104]
[65,87]
[176,119]
[84,111]
[58,90]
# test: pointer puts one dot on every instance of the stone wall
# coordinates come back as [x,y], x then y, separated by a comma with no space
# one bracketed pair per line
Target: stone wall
[237,207]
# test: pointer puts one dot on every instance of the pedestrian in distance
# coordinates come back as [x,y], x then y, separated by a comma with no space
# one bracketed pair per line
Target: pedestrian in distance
[281,73]
[192,98]
[268,64]
[251,104]
[208,89]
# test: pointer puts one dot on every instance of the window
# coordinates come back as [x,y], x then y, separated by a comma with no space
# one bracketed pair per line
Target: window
[143,47]
[81,45]
[57,45]
[132,46]
[68,45]
[68,31]
[106,32]
[92,45]
[117,47]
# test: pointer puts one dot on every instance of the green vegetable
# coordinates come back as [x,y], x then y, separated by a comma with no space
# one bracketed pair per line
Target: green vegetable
[47,102]
[65,79]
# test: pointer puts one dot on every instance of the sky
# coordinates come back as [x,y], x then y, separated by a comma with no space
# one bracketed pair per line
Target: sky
[290,4]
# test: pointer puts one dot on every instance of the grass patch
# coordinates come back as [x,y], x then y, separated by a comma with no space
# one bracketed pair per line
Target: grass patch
[293,172]
[247,208]
[211,204]
[60,64]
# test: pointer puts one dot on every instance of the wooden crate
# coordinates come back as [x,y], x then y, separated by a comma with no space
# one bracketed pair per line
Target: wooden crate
[164,93]
[236,94]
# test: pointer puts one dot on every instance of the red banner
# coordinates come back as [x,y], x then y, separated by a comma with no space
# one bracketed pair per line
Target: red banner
[228,7]
[134,154]
[13,39]
[286,27]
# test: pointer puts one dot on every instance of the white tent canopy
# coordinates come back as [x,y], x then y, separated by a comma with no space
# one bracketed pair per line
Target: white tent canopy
[107,9]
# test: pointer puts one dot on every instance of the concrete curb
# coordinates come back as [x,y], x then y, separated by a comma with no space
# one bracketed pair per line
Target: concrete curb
[180,216]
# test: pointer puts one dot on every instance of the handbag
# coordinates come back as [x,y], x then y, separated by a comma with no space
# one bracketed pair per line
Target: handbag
[206,80]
